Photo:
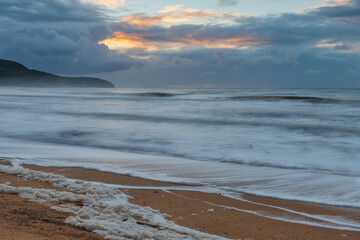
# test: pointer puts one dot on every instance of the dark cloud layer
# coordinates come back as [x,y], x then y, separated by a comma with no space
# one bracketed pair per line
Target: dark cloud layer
[57,36]
[317,48]
[349,11]
[47,11]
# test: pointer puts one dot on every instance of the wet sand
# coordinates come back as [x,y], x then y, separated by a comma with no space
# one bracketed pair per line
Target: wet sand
[196,210]
[206,212]
[23,219]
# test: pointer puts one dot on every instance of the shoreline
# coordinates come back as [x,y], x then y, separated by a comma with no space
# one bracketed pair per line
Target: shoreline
[251,217]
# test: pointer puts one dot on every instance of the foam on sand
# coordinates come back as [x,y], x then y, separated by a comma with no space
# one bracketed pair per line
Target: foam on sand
[107,196]
[105,210]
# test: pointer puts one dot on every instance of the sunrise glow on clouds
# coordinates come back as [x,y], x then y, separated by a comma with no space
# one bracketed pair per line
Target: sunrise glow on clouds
[168,18]
[106,3]
[122,41]
[178,14]
[334,3]
[252,39]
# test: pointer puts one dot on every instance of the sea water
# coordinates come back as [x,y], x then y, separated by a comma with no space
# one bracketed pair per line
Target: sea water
[300,144]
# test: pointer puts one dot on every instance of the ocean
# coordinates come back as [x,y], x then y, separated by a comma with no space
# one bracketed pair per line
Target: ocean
[297,144]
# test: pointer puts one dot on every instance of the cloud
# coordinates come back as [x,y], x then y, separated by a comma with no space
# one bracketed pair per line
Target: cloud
[336,3]
[284,50]
[310,30]
[178,14]
[223,49]
[354,70]
[348,10]
[106,3]
[177,38]
[227,2]
[58,36]
[166,31]
[47,11]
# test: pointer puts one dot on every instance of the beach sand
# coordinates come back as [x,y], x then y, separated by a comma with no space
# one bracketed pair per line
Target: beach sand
[23,219]
[206,212]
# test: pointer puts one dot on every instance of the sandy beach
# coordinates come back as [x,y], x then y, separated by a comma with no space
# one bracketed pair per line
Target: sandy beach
[250,218]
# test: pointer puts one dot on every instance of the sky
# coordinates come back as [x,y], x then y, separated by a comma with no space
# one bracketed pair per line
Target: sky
[188,44]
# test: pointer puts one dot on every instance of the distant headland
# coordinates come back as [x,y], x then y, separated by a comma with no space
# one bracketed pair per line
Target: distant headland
[14,74]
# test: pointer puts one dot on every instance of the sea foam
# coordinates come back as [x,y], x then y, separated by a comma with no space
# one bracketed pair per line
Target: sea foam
[105,211]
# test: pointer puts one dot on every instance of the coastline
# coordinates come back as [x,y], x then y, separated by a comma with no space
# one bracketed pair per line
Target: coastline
[251,217]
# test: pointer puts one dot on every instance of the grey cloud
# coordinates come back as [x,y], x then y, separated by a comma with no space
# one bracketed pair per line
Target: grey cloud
[227,2]
[288,56]
[343,46]
[298,29]
[51,51]
[354,70]
[259,67]
[349,11]
[58,36]
[289,59]
[183,62]
[47,11]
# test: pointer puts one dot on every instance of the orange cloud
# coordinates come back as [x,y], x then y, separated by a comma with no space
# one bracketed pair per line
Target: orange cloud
[334,3]
[176,14]
[125,41]
[142,22]
[328,3]
[121,41]
[106,3]
[171,41]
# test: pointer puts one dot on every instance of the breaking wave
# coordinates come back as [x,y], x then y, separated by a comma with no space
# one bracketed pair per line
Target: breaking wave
[155,94]
[292,98]
[316,128]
